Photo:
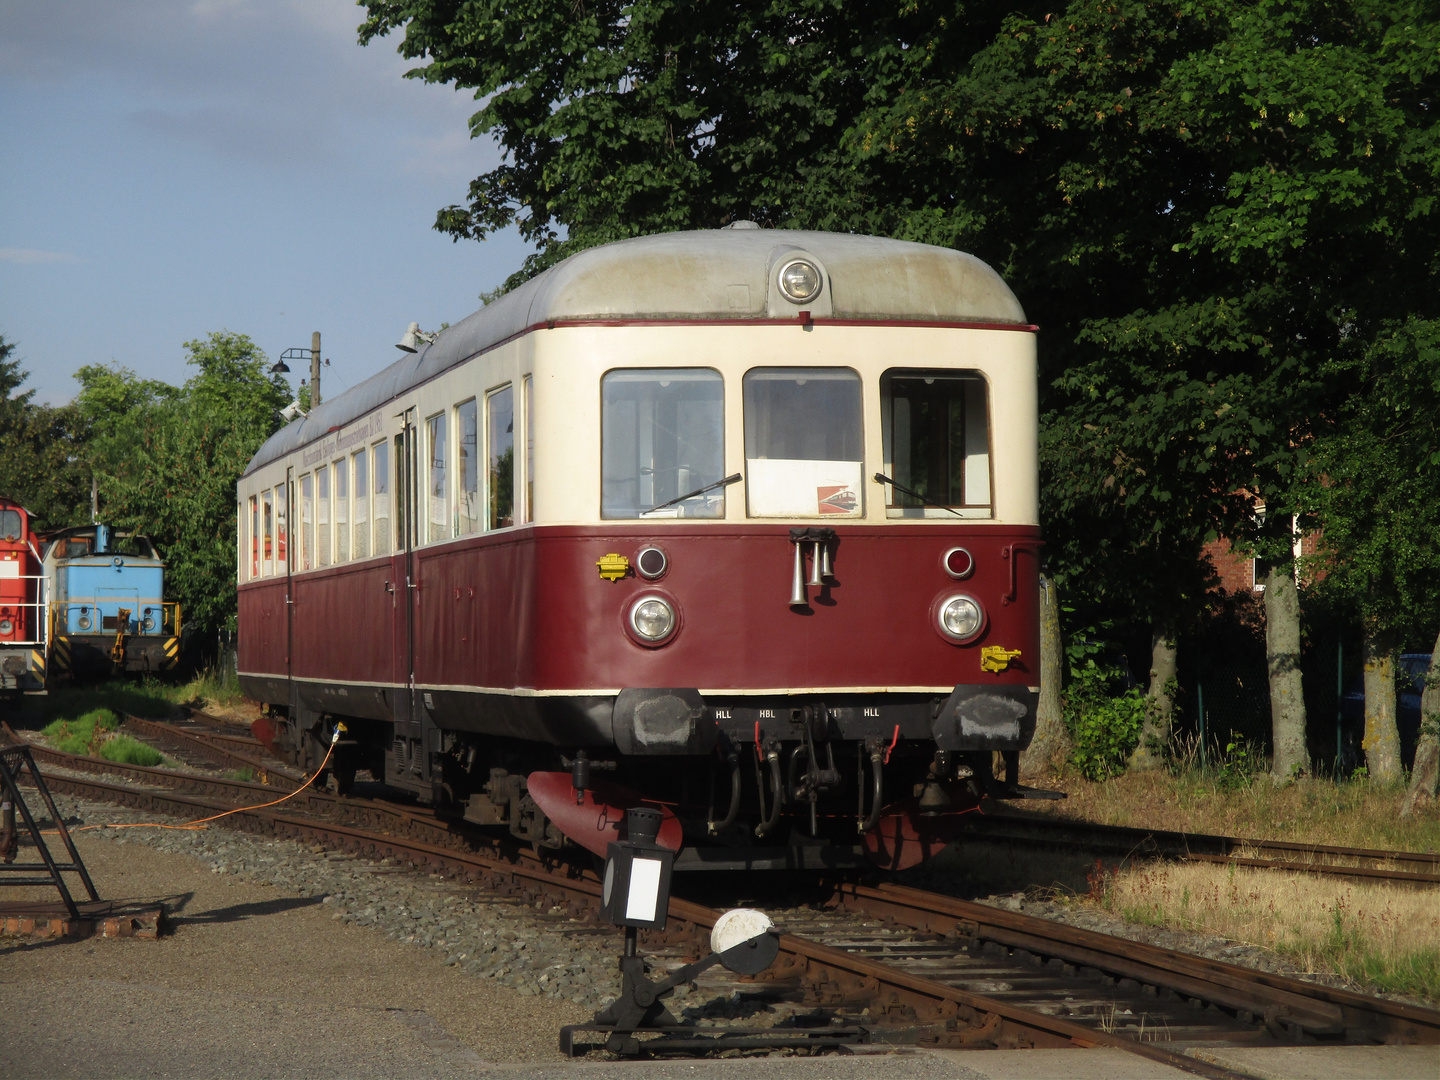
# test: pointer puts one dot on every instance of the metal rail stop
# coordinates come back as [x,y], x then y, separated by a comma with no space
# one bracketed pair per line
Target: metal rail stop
[14,760]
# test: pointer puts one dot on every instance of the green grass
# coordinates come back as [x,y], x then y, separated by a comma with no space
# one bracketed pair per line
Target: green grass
[93,733]
[127,751]
[245,774]
[82,734]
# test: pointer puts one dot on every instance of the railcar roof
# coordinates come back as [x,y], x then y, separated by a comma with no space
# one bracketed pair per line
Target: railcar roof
[685,275]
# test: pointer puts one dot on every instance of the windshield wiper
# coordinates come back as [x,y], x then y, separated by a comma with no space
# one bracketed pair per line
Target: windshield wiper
[726,482]
[883,479]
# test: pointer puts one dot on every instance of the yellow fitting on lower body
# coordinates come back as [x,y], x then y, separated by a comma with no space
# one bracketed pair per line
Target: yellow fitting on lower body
[996,658]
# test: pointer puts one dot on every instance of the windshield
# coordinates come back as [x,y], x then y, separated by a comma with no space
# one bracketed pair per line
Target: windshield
[803,440]
[662,436]
[937,442]
[11,527]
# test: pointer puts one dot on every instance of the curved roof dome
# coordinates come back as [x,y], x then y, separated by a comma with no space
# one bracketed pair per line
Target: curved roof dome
[710,274]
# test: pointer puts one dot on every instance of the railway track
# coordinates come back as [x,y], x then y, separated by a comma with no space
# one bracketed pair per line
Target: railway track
[910,965]
[1392,867]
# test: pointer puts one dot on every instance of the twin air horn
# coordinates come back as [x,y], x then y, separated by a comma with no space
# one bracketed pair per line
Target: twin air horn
[819,539]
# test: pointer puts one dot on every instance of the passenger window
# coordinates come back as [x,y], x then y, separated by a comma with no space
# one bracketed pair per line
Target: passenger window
[500,407]
[804,441]
[361,505]
[322,516]
[527,391]
[436,489]
[467,419]
[342,515]
[381,460]
[268,516]
[937,443]
[254,537]
[662,438]
[307,522]
[282,528]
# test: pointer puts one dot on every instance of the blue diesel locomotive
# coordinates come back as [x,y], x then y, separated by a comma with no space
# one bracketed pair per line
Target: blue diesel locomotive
[107,609]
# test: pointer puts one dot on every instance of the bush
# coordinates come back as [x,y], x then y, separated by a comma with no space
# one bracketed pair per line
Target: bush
[1104,727]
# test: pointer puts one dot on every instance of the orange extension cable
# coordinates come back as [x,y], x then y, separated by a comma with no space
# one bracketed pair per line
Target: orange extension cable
[201,823]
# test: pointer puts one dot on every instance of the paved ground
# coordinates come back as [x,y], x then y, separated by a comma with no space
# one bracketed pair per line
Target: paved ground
[255,985]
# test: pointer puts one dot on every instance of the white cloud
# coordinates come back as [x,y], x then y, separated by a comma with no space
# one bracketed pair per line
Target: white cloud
[34,257]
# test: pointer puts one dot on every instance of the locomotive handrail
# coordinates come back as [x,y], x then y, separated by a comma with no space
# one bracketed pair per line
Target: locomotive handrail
[39,605]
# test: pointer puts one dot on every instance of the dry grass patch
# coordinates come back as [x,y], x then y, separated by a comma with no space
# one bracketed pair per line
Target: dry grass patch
[1309,811]
[1380,936]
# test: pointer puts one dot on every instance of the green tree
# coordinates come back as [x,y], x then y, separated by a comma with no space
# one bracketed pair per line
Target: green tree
[622,119]
[1375,493]
[39,449]
[170,461]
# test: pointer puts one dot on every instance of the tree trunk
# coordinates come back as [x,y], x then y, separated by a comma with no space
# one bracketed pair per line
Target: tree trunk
[1159,702]
[1382,737]
[1425,777]
[1051,743]
[1290,757]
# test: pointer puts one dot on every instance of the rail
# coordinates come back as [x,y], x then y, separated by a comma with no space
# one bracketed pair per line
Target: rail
[927,997]
[1392,867]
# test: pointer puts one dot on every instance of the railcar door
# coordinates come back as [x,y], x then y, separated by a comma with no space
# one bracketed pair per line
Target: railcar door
[406,762]
[285,496]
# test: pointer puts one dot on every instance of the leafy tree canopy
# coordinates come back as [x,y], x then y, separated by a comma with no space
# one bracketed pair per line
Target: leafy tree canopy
[168,461]
[38,448]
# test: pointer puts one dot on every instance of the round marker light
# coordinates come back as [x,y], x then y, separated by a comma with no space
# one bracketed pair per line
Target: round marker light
[6,626]
[652,619]
[148,623]
[651,563]
[800,280]
[960,618]
[85,622]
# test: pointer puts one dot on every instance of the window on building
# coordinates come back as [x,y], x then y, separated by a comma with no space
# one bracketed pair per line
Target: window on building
[662,437]
[937,443]
[466,421]
[804,442]
[380,455]
[500,421]
[437,487]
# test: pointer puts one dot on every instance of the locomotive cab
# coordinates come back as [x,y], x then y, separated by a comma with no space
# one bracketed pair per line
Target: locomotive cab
[741,523]
[23,625]
[107,605]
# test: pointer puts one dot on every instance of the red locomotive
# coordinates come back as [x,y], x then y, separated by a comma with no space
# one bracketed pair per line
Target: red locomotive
[742,523]
[23,616]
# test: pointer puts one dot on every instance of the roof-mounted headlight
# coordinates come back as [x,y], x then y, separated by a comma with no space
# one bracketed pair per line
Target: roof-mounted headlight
[800,281]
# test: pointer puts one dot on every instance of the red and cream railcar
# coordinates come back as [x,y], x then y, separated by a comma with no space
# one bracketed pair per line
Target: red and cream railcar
[23,611]
[742,521]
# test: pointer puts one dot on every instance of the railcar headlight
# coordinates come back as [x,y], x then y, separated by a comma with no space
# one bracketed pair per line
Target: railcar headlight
[6,626]
[800,280]
[148,623]
[652,618]
[85,622]
[961,618]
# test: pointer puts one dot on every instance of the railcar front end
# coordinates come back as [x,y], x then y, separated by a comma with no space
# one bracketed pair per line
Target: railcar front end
[739,523]
[23,626]
[108,611]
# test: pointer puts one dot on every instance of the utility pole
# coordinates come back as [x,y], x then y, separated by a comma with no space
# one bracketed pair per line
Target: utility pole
[315,369]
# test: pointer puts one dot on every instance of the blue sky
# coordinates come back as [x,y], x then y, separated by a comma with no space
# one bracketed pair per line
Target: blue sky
[173,167]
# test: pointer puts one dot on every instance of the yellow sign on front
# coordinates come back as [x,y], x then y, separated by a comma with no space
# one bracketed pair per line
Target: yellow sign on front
[613,567]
